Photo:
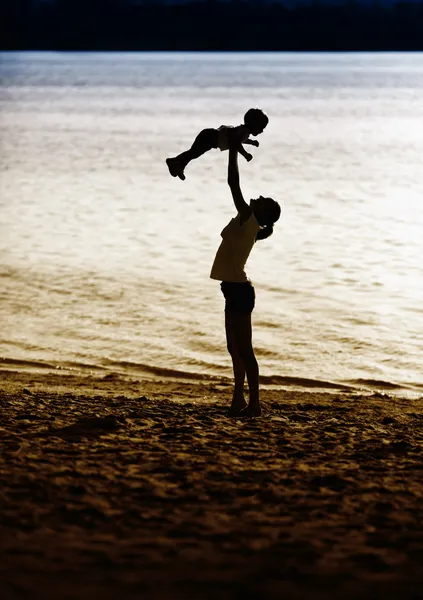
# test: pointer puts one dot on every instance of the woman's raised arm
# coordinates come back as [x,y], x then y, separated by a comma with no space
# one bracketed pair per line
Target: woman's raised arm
[233,181]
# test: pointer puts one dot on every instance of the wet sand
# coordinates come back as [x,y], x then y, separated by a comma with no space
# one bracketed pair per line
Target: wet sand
[112,488]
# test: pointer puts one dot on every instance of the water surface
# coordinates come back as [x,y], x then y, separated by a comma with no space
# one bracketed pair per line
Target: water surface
[105,258]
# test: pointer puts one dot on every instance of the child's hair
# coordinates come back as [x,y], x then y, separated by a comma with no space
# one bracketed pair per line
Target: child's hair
[273,214]
[255,116]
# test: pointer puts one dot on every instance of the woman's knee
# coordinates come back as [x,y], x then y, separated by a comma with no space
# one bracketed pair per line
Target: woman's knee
[231,348]
[247,355]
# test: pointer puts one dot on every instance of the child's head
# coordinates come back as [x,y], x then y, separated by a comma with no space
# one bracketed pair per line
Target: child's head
[267,211]
[255,120]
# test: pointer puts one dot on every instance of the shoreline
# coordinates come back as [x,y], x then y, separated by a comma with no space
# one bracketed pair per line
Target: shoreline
[127,371]
[145,488]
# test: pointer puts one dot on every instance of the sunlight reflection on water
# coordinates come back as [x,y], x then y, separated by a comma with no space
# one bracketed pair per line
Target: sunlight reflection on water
[106,257]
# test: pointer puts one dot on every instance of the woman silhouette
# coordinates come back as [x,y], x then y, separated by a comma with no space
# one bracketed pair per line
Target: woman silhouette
[254,221]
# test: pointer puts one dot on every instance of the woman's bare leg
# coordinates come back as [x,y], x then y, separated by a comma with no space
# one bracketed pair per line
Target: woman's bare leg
[238,402]
[241,327]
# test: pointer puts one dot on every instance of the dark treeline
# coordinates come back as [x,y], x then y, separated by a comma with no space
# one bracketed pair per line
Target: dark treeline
[210,25]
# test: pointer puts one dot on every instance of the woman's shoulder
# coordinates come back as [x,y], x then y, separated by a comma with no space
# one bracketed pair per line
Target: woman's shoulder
[245,215]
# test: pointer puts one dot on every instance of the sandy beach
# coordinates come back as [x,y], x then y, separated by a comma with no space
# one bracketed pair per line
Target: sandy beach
[118,488]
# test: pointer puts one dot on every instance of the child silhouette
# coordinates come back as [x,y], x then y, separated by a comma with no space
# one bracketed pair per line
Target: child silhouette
[255,120]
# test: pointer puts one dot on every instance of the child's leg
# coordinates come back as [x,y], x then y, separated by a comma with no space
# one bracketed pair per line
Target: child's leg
[205,141]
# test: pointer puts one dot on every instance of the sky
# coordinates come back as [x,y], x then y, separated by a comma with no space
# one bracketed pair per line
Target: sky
[284,2]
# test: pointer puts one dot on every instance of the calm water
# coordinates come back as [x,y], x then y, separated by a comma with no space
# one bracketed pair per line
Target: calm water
[105,258]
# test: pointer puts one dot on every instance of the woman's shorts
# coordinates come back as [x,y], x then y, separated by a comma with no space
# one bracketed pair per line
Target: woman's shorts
[240,297]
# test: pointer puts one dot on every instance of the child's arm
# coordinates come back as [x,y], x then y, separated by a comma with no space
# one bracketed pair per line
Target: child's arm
[251,142]
[233,139]
[244,153]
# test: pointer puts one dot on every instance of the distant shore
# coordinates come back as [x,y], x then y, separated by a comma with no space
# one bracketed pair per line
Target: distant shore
[112,487]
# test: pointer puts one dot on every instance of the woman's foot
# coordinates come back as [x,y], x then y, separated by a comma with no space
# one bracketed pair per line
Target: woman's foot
[237,406]
[250,411]
[175,168]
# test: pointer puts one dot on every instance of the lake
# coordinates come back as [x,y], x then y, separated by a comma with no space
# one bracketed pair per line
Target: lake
[105,258]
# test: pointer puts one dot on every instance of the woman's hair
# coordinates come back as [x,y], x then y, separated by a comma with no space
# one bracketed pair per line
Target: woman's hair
[272,214]
[254,116]
[264,232]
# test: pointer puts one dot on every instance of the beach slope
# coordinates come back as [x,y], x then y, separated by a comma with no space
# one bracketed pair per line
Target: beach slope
[115,488]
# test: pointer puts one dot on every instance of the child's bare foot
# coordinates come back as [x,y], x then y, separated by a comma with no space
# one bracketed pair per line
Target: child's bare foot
[248,157]
[175,168]
[255,143]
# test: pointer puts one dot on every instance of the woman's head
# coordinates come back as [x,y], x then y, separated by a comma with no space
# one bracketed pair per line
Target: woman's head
[267,211]
[255,120]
